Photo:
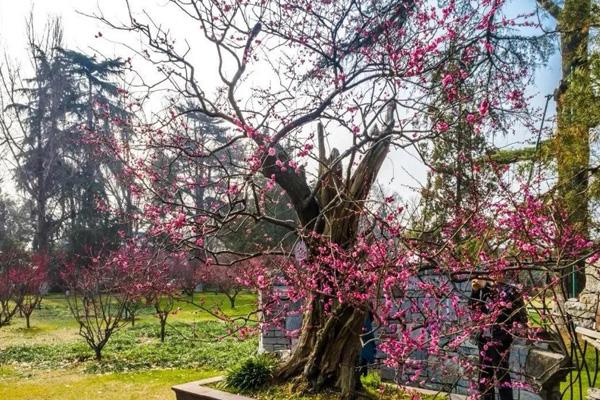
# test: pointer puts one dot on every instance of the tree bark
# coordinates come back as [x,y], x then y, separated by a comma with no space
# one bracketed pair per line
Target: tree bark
[572,145]
[329,356]
[163,324]
[327,352]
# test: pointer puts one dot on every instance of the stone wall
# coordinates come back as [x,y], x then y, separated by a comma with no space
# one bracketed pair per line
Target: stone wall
[274,340]
[584,309]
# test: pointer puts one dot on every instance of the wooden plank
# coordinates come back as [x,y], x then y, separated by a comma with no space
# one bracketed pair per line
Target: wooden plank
[588,332]
[592,341]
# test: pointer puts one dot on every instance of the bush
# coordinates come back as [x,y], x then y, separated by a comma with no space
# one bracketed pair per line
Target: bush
[371,381]
[251,374]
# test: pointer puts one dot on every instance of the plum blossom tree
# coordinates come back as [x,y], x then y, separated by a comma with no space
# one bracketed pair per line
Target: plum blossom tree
[152,276]
[226,279]
[187,275]
[11,261]
[31,283]
[363,75]
[96,297]
[160,288]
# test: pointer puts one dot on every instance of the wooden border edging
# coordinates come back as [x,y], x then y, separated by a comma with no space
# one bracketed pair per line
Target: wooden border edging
[197,390]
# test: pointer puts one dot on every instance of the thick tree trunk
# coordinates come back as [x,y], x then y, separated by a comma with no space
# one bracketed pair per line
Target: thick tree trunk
[327,355]
[572,136]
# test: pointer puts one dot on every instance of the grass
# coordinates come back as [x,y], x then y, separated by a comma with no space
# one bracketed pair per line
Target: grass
[72,384]
[51,361]
[53,323]
[577,389]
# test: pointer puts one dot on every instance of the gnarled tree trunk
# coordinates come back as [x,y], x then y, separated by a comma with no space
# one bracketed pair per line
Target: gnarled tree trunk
[326,355]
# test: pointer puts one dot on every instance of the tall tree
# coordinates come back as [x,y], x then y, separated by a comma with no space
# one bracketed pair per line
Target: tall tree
[95,107]
[571,142]
[456,158]
[35,131]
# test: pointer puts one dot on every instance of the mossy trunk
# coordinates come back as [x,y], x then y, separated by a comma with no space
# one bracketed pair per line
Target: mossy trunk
[163,326]
[572,145]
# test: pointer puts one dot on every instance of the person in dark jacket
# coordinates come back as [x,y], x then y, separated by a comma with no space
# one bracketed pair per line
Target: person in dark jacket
[369,346]
[505,305]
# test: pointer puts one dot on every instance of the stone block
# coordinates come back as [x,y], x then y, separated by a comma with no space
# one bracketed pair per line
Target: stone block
[278,341]
[273,333]
[543,365]
[593,394]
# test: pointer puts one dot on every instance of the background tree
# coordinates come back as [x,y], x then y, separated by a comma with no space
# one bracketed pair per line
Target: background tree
[36,133]
[49,125]
[96,295]
[14,232]
[571,141]
[11,261]
[457,159]
[160,286]
[31,285]
[226,279]
[96,106]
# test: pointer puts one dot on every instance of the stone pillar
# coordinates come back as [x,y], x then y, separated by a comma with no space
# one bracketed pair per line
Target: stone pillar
[584,310]
[275,340]
[593,394]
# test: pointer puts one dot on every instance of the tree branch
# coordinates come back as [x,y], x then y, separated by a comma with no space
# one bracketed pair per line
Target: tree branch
[550,7]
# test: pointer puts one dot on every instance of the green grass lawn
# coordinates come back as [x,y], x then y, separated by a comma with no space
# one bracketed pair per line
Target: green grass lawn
[577,382]
[51,361]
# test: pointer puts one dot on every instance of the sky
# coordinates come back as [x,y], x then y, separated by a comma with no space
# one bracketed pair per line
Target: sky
[400,171]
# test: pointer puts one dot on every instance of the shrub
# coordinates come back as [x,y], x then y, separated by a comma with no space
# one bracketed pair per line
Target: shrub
[371,381]
[251,374]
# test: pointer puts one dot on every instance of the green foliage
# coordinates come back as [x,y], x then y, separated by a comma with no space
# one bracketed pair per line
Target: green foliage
[371,381]
[187,346]
[192,340]
[511,156]
[251,374]
[45,356]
